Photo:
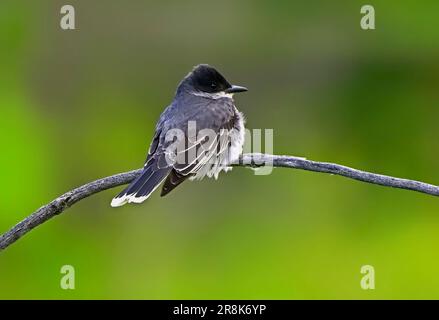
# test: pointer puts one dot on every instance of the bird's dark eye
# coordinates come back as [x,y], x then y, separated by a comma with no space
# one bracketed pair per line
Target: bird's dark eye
[213,85]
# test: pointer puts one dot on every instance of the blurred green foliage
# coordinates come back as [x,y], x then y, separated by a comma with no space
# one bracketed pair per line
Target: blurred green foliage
[79,105]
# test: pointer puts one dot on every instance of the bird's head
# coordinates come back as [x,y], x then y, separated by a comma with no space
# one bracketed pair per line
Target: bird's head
[207,80]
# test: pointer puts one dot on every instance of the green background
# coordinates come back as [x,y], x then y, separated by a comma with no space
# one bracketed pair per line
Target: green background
[80,105]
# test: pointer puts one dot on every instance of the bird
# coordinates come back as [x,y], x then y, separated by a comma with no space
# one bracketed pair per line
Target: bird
[201,133]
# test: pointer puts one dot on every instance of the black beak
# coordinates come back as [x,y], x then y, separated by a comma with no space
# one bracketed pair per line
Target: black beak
[236,89]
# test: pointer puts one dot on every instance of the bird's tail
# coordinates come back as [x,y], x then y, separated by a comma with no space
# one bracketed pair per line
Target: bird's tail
[142,187]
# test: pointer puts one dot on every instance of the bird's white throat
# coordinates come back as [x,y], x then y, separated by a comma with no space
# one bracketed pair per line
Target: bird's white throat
[216,95]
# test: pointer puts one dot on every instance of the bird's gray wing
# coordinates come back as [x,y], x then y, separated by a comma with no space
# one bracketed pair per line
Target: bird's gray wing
[198,152]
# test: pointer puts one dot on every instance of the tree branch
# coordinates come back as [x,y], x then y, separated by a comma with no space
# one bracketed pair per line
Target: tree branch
[66,200]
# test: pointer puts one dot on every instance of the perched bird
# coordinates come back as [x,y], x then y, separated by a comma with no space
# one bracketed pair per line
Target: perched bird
[199,134]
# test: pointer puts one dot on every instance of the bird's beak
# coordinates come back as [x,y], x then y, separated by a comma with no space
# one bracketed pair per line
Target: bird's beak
[236,89]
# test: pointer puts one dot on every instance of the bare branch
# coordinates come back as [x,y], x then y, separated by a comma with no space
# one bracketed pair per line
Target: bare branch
[61,203]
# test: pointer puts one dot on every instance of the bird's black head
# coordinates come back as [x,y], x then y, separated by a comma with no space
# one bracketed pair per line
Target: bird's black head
[207,79]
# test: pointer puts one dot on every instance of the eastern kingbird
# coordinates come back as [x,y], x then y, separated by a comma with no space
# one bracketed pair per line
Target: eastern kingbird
[199,134]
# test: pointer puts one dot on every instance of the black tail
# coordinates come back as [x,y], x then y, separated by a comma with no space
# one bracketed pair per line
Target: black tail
[172,181]
[141,188]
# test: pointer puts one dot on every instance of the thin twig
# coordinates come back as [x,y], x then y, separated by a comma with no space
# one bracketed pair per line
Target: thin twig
[61,203]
